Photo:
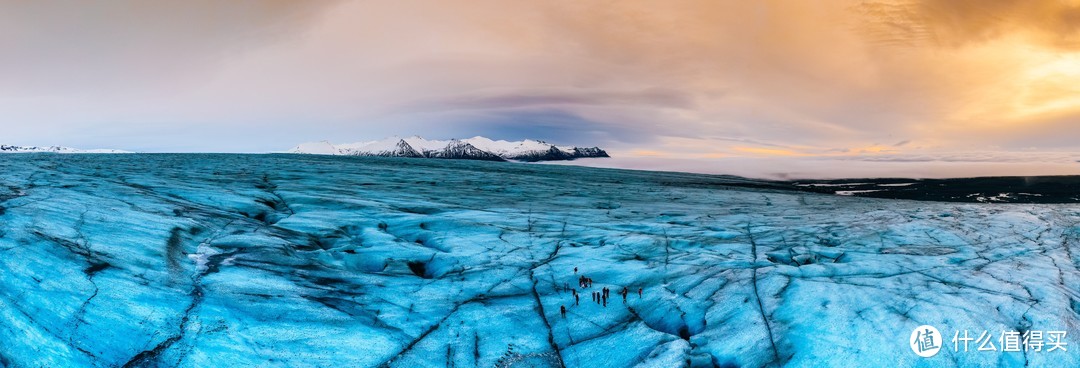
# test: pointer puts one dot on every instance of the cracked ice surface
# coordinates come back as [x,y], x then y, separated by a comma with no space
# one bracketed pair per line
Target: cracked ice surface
[216,260]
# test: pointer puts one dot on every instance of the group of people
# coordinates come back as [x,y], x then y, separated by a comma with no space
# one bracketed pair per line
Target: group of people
[598,297]
[583,281]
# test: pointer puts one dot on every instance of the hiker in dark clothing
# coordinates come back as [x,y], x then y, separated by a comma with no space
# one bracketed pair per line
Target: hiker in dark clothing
[562,309]
[577,299]
[639,292]
[575,269]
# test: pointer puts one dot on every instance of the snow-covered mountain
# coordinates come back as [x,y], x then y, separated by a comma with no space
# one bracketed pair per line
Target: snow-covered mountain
[475,148]
[54,149]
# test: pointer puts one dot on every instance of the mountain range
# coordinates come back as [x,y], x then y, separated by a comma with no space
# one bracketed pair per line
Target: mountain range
[54,149]
[475,148]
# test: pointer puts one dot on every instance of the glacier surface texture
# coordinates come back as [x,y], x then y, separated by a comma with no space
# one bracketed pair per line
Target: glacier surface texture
[317,261]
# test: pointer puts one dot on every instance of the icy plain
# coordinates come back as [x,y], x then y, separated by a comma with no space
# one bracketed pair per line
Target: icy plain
[317,261]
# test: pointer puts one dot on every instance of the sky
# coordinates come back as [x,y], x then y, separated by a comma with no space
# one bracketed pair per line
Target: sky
[778,89]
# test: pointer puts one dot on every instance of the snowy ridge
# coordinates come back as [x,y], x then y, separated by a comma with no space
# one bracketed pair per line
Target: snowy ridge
[54,149]
[475,148]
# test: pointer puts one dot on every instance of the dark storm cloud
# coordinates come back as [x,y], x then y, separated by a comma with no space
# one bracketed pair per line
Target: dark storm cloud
[554,126]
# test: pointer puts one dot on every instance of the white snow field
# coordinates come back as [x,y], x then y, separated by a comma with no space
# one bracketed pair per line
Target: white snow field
[158,260]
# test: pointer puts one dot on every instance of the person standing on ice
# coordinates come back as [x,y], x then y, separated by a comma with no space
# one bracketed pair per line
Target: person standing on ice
[639,292]
[575,270]
[562,309]
[577,299]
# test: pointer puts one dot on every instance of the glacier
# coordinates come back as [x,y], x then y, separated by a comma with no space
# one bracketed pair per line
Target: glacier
[195,260]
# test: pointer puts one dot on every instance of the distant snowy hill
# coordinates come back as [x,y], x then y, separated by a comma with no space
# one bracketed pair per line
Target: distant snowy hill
[476,148]
[54,149]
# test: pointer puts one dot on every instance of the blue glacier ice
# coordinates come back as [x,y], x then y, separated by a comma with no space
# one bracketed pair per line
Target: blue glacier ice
[316,261]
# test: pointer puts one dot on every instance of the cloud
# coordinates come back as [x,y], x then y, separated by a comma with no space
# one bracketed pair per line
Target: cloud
[62,48]
[559,97]
[690,79]
[971,156]
[549,125]
[961,23]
